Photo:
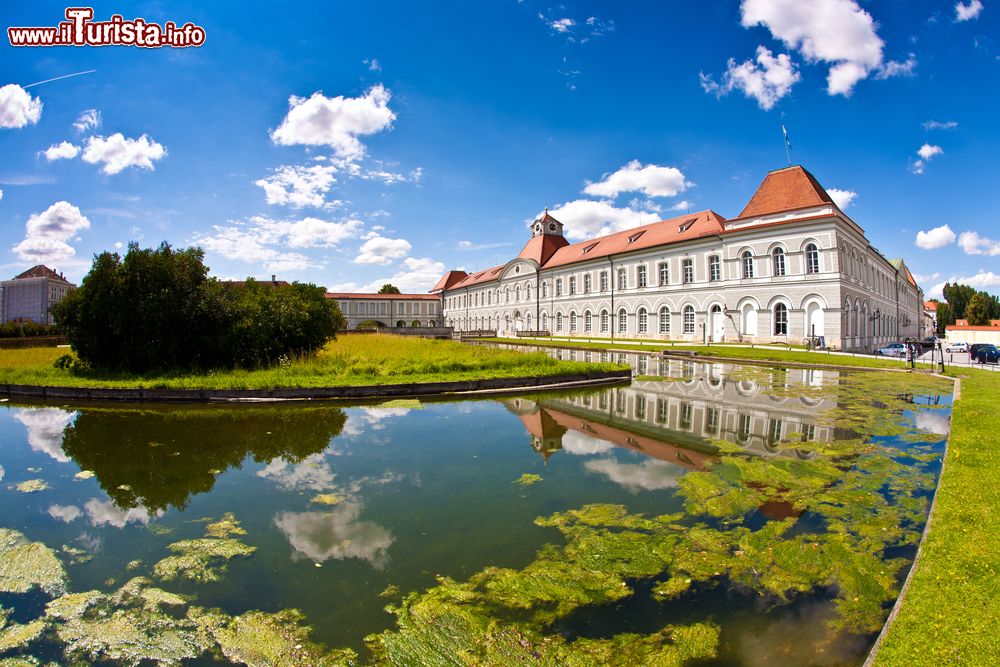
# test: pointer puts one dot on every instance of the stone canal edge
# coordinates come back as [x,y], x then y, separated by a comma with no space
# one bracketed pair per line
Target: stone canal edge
[347,393]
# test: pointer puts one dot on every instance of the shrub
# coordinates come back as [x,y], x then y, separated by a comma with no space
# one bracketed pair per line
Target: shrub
[26,329]
[157,309]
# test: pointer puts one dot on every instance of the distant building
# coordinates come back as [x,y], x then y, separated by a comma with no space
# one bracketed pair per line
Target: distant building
[930,317]
[29,296]
[962,332]
[791,267]
[389,310]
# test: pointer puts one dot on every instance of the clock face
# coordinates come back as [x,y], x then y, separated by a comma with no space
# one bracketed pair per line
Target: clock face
[538,228]
[552,226]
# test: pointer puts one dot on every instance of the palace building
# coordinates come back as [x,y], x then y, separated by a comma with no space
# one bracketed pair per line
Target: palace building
[790,268]
[29,296]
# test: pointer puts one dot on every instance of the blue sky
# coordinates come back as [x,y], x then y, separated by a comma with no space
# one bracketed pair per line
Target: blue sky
[350,144]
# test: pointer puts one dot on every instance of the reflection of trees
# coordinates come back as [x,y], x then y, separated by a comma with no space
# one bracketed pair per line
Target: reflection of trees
[158,457]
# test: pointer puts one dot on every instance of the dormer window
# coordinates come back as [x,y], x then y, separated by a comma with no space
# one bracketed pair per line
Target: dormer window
[686,225]
[588,248]
[635,237]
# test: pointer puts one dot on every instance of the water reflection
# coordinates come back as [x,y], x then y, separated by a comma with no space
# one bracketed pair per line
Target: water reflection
[148,459]
[45,429]
[337,534]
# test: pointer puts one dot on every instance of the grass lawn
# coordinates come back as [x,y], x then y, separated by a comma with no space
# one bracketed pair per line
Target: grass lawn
[950,611]
[351,360]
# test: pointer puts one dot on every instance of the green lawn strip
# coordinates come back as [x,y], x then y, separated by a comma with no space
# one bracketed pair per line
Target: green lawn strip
[349,361]
[949,613]
[734,353]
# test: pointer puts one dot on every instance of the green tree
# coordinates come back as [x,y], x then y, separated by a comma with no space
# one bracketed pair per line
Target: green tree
[957,297]
[978,310]
[945,317]
[388,288]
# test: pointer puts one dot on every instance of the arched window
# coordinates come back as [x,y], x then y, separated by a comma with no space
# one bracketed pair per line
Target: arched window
[780,319]
[664,320]
[588,321]
[506,295]
[622,321]
[622,279]
[747,261]
[587,283]
[559,319]
[528,290]
[572,321]
[664,273]
[688,313]
[605,321]
[643,325]
[812,258]
[527,321]
[778,260]
[545,321]
[517,293]
[641,275]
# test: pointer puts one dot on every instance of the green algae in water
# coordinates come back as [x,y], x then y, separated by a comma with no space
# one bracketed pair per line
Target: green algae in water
[25,565]
[32,485]
[84,474]
[408,403]
[528,478]
[325,499]
[204,559]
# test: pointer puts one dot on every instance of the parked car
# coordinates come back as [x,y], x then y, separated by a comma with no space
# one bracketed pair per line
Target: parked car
[929,343]
[984,353]
[892,350]
[956,347]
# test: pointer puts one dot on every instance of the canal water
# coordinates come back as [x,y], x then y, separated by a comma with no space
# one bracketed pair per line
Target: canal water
[727,515]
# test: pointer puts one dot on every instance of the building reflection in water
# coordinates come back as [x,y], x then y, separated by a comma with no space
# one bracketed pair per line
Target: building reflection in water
[675,417]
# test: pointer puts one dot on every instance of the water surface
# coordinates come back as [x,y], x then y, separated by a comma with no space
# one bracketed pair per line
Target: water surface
[789,505]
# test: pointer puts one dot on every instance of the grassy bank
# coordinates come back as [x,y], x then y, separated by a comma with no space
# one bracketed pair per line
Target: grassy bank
[746,352]
[949,615]
[349,361]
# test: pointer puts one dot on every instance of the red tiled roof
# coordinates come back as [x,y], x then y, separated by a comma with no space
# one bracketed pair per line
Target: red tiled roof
[387,297]
[484,276]
[540,248]
[786,190]
[681,228]
[41,271]
[448,280]
[930,305]
[969,327]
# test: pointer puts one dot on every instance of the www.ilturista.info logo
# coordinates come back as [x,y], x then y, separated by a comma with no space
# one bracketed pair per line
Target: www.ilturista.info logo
[79,29]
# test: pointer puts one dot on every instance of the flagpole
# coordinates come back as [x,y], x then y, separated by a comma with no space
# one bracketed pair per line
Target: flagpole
[788,145]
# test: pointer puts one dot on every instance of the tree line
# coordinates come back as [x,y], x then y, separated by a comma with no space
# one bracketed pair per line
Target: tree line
[962,302]
[156,309]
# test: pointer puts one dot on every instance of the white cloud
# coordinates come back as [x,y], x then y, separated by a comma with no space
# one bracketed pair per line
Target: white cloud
[298,186]
[580,444]
[983,280]
[935,238]
[263,240]
[373,64]
[45,429]
[418,274]
[65,513]
[895,68]
[585,217]
[974,244]
[320,536]
[967,12]
[926,278]
[47,234]
[842,198]
[117,152]
[562,25]
[382,250]
[336,122]
[926,152]
[767,80]
[650,475]
[933,421]
[313,473]
[1,195]
[838,32]
[469,245]
[652,180]
[106,513]
[90,119]
[17,107]
[62,151]
[940,125]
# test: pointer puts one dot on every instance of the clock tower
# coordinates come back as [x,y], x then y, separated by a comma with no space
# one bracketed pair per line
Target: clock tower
[546,225]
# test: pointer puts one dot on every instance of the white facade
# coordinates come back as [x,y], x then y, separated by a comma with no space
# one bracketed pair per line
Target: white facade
[391,310]
[31,295]
[785,277]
